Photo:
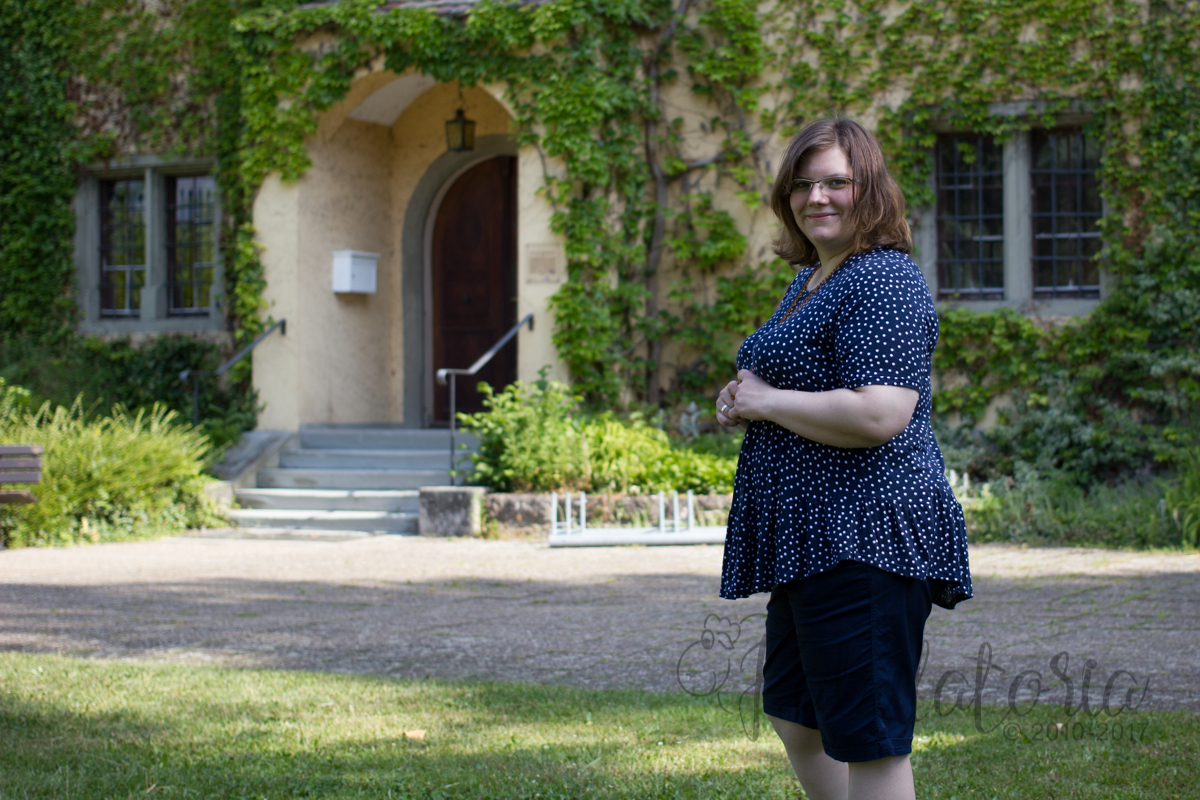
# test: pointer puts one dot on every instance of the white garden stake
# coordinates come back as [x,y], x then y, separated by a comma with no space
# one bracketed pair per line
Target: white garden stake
[564,532]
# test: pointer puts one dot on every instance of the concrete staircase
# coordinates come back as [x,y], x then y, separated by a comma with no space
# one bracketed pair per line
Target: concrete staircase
[348,479]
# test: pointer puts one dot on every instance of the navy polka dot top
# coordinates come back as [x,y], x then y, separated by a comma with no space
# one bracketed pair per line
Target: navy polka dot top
[800,507]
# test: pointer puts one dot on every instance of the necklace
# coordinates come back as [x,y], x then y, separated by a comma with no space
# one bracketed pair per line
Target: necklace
[804,297]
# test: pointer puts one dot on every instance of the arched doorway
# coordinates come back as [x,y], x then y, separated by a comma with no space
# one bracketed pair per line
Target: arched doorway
[473,271]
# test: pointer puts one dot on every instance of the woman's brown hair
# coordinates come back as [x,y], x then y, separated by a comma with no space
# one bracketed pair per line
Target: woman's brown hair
[878,211]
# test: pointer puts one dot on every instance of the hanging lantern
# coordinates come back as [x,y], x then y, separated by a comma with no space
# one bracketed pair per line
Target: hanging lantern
[460,133]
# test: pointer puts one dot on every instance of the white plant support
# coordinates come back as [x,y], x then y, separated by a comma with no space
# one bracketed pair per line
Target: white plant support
[564,532]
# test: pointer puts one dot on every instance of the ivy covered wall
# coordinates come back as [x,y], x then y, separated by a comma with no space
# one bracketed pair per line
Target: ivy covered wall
[634,190]
[661,284]
[37,151]
[81,82]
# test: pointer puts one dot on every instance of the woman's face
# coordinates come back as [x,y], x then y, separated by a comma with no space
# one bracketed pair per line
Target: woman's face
[823,214]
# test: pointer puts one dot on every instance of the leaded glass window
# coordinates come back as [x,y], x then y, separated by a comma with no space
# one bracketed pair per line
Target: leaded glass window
[970,215]
[122,247]
[191,243]
[1066,213]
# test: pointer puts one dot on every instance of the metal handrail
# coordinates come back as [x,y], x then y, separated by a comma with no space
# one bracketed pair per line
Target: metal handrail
[195,374]
[452,374]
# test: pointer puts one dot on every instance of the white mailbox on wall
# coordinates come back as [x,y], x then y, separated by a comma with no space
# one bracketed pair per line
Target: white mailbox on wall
[354,271]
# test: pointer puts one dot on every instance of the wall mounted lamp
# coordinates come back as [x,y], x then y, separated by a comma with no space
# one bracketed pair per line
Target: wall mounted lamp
[460,133]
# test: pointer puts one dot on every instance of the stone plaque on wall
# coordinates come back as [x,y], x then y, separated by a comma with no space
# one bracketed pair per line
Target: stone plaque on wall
[545,263]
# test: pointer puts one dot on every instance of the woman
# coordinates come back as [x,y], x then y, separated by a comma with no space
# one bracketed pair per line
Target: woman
[841,507]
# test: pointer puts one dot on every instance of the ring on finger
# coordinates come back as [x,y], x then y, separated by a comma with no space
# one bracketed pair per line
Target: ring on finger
[724,407]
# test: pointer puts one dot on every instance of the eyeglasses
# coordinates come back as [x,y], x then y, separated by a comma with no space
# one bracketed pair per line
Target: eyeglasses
[835,183]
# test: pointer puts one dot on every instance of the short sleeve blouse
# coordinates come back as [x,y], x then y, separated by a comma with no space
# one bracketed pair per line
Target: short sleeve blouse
[800,507]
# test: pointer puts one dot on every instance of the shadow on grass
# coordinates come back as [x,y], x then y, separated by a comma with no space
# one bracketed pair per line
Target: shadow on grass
[72,728]
[197,732]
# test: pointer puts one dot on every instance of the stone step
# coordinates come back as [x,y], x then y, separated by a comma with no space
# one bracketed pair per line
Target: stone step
[331,499]
[351,478]
[311,519]
[345,437]
[369,459]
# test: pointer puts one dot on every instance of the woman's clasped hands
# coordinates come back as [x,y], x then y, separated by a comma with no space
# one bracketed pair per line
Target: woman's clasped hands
[743,400]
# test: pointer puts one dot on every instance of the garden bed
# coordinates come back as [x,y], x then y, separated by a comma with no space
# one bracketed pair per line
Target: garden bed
[529,513]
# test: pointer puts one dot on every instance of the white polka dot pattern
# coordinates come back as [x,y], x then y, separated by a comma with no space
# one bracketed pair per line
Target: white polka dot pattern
[800,507]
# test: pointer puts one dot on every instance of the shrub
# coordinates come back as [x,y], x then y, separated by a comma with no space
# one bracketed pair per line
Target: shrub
[534,437]
[121,476]
[528,439]
[1103,443]
[1183,499]
[116,372]
[1050,507]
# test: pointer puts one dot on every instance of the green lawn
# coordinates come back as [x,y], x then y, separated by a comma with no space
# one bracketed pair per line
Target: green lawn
[73,728]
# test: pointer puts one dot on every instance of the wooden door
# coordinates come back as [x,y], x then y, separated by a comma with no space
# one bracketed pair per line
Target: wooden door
[474,272]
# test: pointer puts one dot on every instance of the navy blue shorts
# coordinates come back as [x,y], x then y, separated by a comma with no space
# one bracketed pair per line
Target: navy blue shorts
[843,649]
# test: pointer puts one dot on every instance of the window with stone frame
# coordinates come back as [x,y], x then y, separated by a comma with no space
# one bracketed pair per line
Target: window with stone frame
[122,247]
[970,217]
[1066,213]
[191,245]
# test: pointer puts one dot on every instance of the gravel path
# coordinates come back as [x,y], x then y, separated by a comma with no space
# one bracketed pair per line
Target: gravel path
[595,617]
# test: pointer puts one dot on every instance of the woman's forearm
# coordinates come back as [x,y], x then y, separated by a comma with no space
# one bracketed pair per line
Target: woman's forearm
[864,417]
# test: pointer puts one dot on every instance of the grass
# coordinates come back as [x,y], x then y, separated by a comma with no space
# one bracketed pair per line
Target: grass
[73,728]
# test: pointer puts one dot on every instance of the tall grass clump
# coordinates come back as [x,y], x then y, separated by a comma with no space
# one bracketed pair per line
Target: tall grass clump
[1045,507]
[1183,499]
[535,438]
[109,478]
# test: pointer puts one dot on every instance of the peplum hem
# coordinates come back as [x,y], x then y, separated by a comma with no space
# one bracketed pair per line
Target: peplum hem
[926,541]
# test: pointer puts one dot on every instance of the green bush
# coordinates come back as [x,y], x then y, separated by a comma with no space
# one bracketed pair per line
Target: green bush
[534,437]
[1050,508]
[122,476]
[1183,499]
[1102,443]
[116,372]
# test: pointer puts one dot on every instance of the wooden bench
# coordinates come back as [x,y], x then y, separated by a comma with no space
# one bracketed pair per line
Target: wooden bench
[20,463]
